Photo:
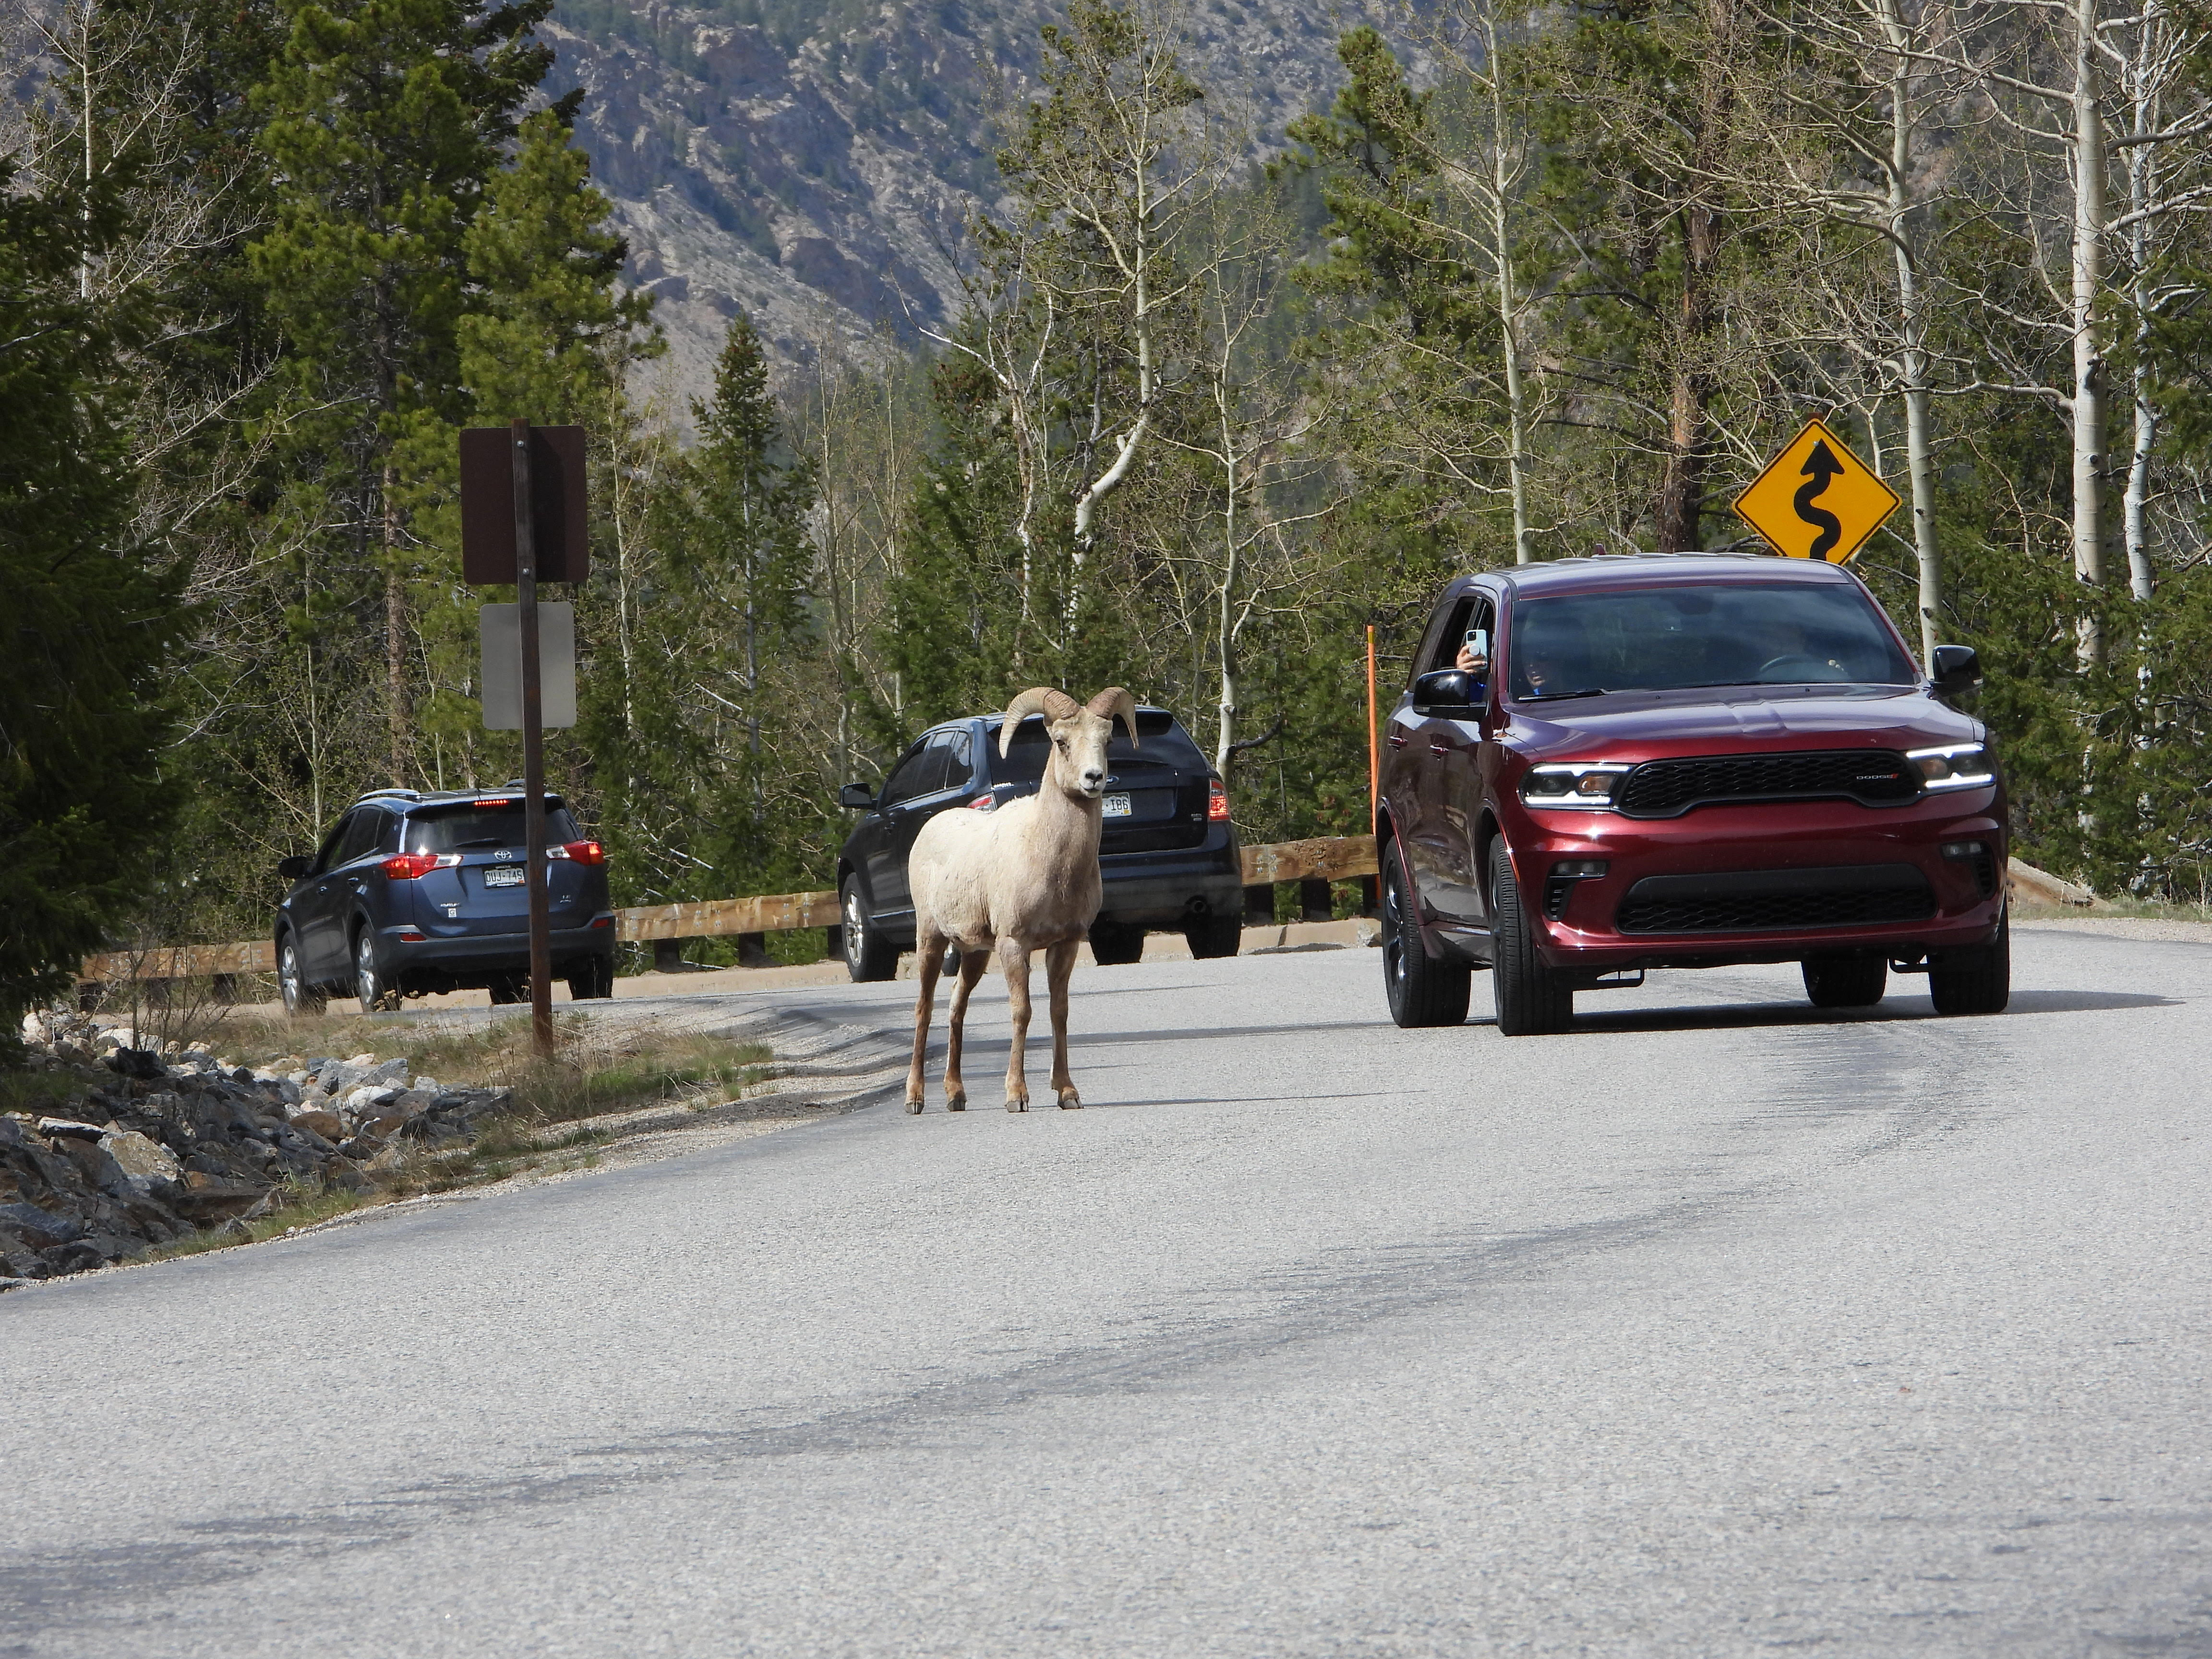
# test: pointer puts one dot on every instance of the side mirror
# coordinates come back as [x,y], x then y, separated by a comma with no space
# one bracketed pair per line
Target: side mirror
[1447,691]
[294,867]
[856,797]
[1954,670]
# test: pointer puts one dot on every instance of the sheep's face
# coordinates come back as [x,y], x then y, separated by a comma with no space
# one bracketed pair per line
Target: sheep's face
[1078,752]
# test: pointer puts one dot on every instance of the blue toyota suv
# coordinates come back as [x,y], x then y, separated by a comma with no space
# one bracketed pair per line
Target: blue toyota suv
[413,892]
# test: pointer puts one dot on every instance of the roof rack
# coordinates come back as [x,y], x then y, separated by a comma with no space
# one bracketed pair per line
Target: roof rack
[392,794]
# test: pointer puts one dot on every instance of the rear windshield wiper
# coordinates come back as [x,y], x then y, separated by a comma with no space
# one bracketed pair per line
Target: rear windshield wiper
[483,841]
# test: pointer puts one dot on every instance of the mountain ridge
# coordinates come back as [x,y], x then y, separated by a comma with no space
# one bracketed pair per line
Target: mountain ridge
[818,170]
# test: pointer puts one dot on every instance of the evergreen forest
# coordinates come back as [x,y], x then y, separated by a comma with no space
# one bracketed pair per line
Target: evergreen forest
[1543,282]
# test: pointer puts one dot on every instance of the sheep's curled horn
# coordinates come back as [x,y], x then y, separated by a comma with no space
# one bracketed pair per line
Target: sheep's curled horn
[1114,700]
[1057,705]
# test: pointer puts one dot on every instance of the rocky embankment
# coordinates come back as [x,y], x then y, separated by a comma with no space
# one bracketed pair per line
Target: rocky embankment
[160,1144]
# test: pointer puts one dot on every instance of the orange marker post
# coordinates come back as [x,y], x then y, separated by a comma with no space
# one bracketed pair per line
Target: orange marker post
[1374,752]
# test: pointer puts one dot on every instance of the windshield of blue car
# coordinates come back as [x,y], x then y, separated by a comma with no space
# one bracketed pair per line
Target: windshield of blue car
[476,826]
[1682,636]
[1160,742]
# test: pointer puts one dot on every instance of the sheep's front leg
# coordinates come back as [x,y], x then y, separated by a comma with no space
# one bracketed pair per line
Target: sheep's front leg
[930,955]
[972,964]
[1059,967]
[1014,964]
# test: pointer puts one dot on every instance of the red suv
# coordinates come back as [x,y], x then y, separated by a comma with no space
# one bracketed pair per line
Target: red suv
[1684,760]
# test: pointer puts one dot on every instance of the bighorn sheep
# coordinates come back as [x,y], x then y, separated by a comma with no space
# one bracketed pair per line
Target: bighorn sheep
[1014,880]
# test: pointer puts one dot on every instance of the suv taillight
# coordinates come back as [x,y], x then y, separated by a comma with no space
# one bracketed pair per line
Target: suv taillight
[1216,802]
[582,851]
[413,866]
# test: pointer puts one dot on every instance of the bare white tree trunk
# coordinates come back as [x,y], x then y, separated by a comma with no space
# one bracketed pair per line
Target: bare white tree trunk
[1501,182]
[1226,598]
[2144,175]
[1913,322]
[2087,161]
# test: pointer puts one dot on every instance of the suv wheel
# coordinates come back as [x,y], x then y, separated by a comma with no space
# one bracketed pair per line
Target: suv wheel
[1982,983]
[300,998]
[1422,991]
[1116,944]
[592,977]
[1845,982]
[868,955]
[1215,936]
[1532,999]
[367,981]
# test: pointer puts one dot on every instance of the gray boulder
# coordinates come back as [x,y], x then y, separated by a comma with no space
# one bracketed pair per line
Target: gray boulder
[40,1229]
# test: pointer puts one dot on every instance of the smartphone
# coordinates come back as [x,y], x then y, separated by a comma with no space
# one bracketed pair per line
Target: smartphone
[1477,639]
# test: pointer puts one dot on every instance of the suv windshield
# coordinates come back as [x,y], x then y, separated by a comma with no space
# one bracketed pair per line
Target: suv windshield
[1685,635]
[471,825]
[1163,742]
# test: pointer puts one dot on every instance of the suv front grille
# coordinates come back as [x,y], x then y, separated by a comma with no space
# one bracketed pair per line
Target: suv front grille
[1669,788]
[1762,901]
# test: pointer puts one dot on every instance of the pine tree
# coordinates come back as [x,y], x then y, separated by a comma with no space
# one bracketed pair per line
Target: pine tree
[711,781]
[385,120]
[747,555]
[547,338]
[82,718]
[551,335]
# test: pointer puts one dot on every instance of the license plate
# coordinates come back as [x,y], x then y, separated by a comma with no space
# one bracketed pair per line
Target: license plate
[1117,806]
[503,875]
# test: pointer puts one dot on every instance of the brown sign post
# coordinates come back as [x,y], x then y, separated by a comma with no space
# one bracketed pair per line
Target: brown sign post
[536,474]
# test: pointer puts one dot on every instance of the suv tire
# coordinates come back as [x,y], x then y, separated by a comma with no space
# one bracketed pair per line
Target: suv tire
[1116,944]
[1532,1000]
[1215,936]
[1422,990]
[376,997]
[593,978]
[1845,982]
[301,1000]
[868,955]
[1982,983]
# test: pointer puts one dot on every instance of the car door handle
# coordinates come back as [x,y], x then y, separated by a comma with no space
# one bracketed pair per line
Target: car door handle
[1397,739]
[1439,746]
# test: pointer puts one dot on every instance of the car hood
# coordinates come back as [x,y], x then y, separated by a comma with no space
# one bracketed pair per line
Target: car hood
[1649,724]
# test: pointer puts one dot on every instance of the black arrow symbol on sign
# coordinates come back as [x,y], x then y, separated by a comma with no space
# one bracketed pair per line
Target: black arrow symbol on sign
[1820,467]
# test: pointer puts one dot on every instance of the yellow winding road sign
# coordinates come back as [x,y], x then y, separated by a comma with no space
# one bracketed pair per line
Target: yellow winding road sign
[1816,499]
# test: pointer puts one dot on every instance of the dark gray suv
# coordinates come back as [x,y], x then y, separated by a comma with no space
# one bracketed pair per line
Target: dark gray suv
[1166,853]
[416,892]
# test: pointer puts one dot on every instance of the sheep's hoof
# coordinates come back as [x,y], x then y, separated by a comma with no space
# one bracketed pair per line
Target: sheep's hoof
[1018,1102]
[1070,1101]
[914,1106]
[956,1103]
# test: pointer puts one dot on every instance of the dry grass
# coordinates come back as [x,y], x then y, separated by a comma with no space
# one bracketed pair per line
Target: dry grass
[597,1070]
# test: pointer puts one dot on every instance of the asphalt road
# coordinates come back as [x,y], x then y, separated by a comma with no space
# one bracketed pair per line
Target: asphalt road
[1714,1327]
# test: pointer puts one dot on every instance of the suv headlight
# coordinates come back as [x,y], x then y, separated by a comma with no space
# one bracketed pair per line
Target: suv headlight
[1954,766]
[1589,785]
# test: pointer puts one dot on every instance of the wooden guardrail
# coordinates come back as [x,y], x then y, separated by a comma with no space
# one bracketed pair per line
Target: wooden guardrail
[1329,858]
[778,913]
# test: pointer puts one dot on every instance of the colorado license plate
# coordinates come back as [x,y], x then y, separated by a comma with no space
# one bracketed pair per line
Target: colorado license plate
[1117,806]
[503,875]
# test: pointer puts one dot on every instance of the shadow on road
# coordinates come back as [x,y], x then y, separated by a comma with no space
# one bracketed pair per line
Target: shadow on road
[1725,1017]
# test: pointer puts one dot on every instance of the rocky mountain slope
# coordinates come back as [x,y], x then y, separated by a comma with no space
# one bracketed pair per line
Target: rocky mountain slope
[814,162]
